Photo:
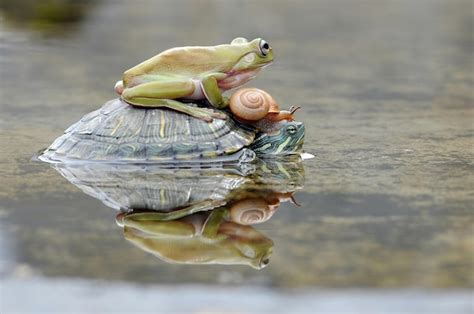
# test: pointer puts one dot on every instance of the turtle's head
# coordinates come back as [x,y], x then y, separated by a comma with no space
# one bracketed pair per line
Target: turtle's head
[287,139]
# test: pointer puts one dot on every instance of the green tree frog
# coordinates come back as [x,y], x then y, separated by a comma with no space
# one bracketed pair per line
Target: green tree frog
[194,73]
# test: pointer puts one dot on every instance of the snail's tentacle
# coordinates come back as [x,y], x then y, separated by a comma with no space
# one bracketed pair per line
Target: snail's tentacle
[294,108]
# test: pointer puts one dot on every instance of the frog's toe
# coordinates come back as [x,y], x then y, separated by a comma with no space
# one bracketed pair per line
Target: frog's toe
[119,87]
[206,118]
[201,115]
[216,114]
[219,115]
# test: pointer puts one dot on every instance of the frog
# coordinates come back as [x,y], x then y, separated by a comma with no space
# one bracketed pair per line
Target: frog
[199,238]
[179,75]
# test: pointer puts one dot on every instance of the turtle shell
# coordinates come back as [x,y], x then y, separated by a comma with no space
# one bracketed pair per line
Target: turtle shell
[118,132]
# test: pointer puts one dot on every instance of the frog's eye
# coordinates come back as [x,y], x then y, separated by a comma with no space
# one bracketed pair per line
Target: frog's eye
[291,129]
[264,47]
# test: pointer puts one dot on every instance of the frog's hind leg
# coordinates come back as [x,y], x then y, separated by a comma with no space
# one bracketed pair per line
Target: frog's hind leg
[158,90]
[201,113]
[162,94]
[119,87]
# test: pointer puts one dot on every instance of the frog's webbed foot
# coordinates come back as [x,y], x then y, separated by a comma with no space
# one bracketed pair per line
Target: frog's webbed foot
[204,114]
[207,113]
[225,101]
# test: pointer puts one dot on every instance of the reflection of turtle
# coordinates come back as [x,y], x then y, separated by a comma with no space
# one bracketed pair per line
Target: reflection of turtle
[181,191]
[121,133]
[128,187]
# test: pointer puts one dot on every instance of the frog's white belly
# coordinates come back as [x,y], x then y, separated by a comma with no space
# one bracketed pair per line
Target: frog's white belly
[198,92]
[230,82]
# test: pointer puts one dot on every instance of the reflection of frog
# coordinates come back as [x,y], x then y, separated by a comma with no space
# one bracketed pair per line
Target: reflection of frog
[194,73]
[201,238]
[219,236]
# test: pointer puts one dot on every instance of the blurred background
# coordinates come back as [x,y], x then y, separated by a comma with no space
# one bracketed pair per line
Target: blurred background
[386,222]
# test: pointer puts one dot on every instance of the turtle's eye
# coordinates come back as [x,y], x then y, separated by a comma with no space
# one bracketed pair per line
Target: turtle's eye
[264,48]
[264,262]
[291,129]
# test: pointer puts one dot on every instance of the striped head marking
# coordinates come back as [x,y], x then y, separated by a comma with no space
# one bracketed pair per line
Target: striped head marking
[287,140]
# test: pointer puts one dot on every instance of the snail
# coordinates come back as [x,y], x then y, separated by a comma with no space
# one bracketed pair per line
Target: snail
[255,106]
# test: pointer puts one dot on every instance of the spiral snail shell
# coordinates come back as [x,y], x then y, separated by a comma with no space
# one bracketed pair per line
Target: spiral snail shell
[251,211]
[252,104]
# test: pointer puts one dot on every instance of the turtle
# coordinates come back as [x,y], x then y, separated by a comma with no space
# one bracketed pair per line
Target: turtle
[120,133]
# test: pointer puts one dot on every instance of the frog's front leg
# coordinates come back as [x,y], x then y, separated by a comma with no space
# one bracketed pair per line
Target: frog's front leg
[213,92]
[213,222]
[162,94]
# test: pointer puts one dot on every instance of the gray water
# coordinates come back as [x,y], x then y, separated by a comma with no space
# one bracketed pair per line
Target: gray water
[385,223]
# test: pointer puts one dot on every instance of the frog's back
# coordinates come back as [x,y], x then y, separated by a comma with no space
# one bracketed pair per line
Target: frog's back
[119,132]
[189,61]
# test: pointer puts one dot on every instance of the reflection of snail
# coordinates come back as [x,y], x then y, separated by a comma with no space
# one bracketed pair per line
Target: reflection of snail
[252,211]
[253,104]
